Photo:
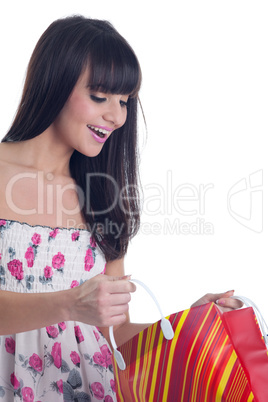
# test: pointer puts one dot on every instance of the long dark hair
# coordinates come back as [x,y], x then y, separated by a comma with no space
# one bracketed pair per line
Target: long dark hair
[109,181]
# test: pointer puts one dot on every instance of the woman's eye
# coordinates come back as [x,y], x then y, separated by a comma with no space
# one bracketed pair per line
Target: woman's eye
[97,99]
[123,103]
[100,99]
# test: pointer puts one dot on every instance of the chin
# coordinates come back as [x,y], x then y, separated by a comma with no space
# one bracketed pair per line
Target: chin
[92,153]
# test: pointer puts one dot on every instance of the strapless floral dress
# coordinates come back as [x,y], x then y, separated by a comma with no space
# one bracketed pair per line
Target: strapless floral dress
[67,361]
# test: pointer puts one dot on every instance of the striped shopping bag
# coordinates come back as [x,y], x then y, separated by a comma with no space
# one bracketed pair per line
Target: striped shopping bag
[213,356]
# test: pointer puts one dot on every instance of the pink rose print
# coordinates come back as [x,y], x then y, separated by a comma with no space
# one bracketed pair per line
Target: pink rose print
[108,398]
[60,386]
[56,354]
[35,362]
[78,334]
[89,260]
[75,358]
[48,272]
[14,381]
[2,222]
[52,331]
[36,239]
[27,394]
[10,345]
[29,255]
[58,261]
[103,358]
[75,235]
[97,335]
[99,359]
[15,268]
[0,256]
[112,382]
[98,390]
[74,284]
[62,326]
[54,233]
[107,354]
[92,242]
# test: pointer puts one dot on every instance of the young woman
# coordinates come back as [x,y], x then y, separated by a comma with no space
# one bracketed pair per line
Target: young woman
[69,204]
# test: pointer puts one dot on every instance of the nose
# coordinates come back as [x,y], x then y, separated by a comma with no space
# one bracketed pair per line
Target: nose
[115,113]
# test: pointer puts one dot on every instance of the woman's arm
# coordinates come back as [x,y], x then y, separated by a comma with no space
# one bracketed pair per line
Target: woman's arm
[100,301]
[21,312]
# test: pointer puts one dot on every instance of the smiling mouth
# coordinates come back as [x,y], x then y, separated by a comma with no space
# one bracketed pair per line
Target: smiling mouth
[100,132]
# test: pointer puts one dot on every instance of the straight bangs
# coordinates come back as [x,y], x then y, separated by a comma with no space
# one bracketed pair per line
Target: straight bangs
[113,66]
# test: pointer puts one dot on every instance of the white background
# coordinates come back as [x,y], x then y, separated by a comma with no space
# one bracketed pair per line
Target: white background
[205,98]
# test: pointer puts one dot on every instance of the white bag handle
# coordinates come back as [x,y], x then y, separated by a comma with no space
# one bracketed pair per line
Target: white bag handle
[260,319]
[165,326]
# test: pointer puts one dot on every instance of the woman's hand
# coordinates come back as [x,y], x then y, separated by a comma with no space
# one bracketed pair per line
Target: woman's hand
[102,301]
[223,300]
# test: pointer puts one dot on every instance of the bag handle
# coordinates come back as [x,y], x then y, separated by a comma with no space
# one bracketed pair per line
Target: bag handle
[262,324]
[165,326]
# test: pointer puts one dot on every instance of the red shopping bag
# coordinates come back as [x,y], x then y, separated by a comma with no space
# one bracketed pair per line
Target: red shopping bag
[213,356]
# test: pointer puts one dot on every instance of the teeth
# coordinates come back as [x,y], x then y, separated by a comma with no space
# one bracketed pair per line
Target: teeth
[100,130]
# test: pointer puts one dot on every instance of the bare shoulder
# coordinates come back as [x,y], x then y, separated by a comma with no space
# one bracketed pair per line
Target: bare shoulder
[7,161]
[4,159]
[3,149]
[7,152]
[7,171]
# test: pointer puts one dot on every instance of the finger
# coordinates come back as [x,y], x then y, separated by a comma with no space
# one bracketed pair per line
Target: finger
[229,303]
[117,310]
[117,299]
[117,320]
[119,278]
[120,286]
[217,296]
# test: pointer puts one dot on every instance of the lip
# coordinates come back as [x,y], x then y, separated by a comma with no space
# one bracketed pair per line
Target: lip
[104,128]
[97,138]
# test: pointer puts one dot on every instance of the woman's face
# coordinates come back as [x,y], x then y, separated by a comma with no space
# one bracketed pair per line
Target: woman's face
[89,118]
